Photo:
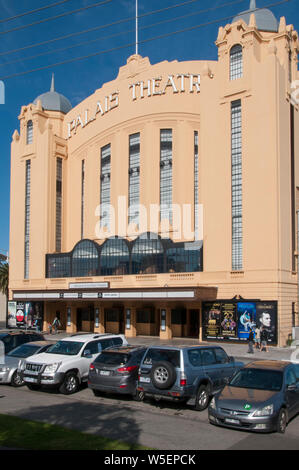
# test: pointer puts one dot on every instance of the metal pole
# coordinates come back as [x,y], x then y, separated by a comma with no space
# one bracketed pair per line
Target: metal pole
[136,49]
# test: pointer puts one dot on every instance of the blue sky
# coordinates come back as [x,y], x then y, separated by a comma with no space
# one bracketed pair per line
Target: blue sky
[77,80]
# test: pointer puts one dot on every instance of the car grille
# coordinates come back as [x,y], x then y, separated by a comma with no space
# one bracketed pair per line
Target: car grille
[34,367]
[229,412]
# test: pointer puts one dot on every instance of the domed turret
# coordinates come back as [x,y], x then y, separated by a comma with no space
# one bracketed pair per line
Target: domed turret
[265,20]
[53,101]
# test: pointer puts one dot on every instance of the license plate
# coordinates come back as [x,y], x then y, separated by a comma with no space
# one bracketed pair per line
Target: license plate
[30,379]
[232,421]
[145,380]
[105,372]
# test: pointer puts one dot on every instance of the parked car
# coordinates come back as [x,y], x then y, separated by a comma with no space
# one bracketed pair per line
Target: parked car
[65,365]
[263,396]
[187,373]
[12,339]
[9,370]
[116,371]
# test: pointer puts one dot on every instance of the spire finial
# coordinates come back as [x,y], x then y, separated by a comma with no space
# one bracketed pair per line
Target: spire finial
[252,5]
[52,83]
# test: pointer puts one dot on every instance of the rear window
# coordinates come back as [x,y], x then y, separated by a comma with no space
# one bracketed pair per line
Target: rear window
[158,355]
[111,358]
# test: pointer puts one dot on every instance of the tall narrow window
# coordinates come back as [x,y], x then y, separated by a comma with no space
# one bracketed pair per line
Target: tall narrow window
[27,217]
[236,155]
[166,174]
[82,196]
[29,135]
[290,66]
[134,177]
[236,62]
[293,187]
[196,201]
[105,186]
[58,203]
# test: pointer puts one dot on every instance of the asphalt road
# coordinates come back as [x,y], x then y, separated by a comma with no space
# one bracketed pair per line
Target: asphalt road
[165,426]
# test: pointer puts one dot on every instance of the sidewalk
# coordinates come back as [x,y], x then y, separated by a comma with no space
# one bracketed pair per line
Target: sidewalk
[238,350]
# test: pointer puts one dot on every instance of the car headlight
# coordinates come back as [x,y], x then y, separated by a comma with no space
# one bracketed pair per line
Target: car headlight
[213,404]
[266,411]
[21,365]
[52,368]
[4,369]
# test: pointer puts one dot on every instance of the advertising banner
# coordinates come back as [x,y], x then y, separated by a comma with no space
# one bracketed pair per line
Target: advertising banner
[20,315]
[231,320]
[12,314]
[28,315]
[266,317]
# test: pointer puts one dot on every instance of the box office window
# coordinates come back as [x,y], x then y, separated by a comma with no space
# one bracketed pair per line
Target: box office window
[111,315]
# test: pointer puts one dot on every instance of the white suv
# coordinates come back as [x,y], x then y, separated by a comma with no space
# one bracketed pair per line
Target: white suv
[66,364]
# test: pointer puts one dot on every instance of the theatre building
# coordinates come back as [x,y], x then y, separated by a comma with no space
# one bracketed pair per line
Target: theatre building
[165,203]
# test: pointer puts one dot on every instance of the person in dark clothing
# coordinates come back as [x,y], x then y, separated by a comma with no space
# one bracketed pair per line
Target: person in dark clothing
[250,341]
[264,340]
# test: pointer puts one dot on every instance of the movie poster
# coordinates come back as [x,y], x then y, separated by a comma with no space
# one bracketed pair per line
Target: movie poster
[229,320]
[11,314]
[211,319]
[266,317]
[20,315]
[246,312]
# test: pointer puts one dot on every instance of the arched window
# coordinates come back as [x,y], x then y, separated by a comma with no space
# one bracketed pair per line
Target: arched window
[180,260]
[147,255]
[85,259]
[236,62]
[29,136]
[115,258]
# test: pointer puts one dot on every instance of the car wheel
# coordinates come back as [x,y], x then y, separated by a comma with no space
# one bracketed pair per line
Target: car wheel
[16,380]
[33,387]
[163,375]
[202,398]
[70,384]
[139,395]
[282,421]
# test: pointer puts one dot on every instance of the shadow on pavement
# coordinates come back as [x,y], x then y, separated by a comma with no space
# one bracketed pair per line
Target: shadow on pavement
[111,422]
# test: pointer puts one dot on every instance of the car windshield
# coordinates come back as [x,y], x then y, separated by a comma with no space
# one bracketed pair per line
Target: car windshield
[157,355]
[112,358]
[258,379]
[25,350]
[67,348]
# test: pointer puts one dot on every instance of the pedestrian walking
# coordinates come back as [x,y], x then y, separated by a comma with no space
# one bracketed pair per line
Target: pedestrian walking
[264,339]
[56,323]
[257,338]
[50,328]
[250,342]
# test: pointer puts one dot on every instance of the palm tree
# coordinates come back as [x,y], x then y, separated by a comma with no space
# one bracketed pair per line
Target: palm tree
[4,279]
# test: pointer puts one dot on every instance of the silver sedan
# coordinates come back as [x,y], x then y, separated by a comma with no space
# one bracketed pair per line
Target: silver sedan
[9,369]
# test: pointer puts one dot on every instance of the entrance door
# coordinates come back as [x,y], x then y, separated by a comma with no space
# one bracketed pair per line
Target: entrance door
[194,323]
[85,319]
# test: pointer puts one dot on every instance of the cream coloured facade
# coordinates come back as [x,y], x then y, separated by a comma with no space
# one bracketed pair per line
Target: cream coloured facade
[219,140]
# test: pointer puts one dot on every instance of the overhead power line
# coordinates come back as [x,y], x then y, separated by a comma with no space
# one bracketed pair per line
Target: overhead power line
[96,28]
[20,15]
[44,20]
[133,44]
[119,34]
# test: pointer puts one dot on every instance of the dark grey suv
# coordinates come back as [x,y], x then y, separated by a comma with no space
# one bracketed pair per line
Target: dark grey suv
[187,373]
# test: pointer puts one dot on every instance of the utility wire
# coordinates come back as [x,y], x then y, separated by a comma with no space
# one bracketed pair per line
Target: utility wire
[117,34]
[44,20]
[132,44]
[33,11]
[103,27]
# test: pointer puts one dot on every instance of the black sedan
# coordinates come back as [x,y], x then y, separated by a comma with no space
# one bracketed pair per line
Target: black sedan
[116,371]
[263,396]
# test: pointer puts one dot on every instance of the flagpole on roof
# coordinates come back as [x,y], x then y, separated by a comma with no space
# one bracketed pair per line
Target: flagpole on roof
[136,49]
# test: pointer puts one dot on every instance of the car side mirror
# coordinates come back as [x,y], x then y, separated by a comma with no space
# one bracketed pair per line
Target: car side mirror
[87,353]
[291,388]
[231,359]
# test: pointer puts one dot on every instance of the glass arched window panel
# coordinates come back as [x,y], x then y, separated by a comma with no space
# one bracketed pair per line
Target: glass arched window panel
[236,62]
[29,135]
[85,259]
[115,258]
[180,260]
[147,255]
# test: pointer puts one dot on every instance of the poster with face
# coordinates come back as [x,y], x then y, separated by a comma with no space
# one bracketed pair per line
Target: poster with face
[246,312]
[266,317]
[20,314]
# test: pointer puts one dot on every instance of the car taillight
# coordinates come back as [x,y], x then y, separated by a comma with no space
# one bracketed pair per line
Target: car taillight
[91,367]
[183,381]
[127,369]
